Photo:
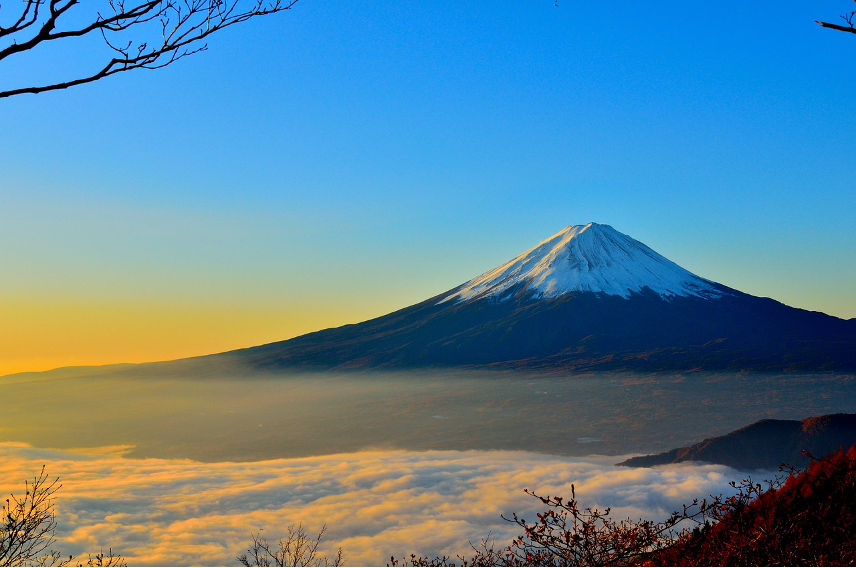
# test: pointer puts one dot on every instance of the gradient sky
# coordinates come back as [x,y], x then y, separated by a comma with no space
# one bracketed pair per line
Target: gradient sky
[343,160]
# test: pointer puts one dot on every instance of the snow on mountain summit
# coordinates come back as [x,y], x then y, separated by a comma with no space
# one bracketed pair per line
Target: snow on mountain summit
[587,258]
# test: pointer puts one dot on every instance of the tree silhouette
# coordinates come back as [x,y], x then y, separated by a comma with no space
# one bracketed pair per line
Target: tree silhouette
[135,34]
[28,529]
[848,18]
[296,548]
[28,525]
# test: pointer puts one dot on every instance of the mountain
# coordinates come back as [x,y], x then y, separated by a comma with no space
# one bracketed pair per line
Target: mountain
[589,298]
[765,444]
[587,258]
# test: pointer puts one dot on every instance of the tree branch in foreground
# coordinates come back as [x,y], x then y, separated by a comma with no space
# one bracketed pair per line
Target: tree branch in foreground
[28,529]
[297,548]
[847,18]
[142,34]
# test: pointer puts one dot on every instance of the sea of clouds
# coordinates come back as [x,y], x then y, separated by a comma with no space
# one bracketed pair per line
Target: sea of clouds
[374,503]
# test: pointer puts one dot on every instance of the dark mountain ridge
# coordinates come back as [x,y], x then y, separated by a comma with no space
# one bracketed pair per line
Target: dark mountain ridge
[765,444]
[589,298]
[579,331]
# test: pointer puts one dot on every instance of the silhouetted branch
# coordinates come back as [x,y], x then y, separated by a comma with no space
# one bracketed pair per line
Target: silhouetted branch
[297,548]
[28,529]
[168,31]
[28,525]
[848,18]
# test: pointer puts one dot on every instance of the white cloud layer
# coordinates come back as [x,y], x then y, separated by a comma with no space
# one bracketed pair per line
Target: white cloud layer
[375,504]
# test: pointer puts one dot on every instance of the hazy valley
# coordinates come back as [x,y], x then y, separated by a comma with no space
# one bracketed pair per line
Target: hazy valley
[215,416]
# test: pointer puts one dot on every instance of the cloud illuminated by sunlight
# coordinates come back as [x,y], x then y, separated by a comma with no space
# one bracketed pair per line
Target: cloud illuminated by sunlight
[376,504]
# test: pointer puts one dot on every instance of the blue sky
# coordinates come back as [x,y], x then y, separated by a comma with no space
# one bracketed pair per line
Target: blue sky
[343,160]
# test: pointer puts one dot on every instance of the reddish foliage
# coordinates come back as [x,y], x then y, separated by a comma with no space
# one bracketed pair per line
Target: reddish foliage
[809,521]
[568,535]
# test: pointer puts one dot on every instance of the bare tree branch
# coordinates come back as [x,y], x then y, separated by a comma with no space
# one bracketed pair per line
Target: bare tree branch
[847,18]
[28,525]
[297,548]
[850,28]
[28,529]
[164,31]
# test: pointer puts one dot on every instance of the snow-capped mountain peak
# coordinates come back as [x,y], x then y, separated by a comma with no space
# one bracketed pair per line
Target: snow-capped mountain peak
[587,258]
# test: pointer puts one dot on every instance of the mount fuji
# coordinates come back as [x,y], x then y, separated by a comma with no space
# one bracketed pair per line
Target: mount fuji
[589,298]
[587,258]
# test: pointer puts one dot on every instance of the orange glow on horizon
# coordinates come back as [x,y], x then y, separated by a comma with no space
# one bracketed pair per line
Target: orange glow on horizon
[43,335]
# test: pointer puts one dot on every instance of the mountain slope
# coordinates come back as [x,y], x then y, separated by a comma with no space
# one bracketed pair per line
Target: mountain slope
[588,298]
[765,444]
[588,258]
[805,520]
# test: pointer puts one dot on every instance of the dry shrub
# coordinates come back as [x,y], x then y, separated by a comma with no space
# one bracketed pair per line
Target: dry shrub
[806,518]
